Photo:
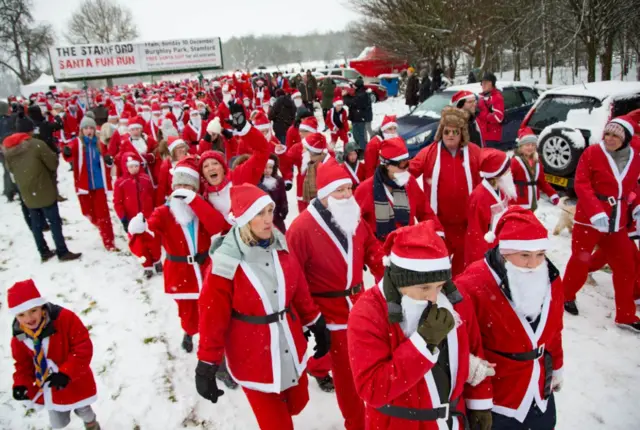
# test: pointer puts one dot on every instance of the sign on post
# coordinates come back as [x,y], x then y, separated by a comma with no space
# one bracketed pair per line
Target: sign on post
[110,60]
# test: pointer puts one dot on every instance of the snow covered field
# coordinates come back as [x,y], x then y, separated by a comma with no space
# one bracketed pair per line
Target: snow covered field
[145,381]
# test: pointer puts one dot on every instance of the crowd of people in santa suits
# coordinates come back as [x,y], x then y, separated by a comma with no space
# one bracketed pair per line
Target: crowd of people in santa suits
[463,327]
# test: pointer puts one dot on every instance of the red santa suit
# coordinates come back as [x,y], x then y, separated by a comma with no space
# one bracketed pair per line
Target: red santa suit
[246,284]
[66,347]
[484,207]
[144,150]
[261,95]
[394,369]
[605,191]
[151,129]
[69,128]
[448,181]
[491,115]
[192,134]
[262,123]
[332,262]
[338,131]
[525,354]
[372,150]
[356,173]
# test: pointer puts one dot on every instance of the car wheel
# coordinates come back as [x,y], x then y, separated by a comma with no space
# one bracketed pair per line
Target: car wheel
[559,154]
[373,97]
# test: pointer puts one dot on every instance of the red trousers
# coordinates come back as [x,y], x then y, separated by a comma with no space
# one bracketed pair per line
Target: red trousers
[274,411]
[319,367]
[454,238]
[342,135]
[94,206]
[620,254]
[188,313]
[350,403]
[599,259]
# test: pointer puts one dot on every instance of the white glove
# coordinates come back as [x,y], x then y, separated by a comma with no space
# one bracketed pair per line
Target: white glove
[601,222]
[138,224]
[479,369]
[184,194]
[556,382]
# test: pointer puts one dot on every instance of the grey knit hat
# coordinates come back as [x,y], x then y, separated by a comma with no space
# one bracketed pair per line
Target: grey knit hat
[88,122]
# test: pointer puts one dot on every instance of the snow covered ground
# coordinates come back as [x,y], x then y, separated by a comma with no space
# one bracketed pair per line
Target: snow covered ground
[145,381]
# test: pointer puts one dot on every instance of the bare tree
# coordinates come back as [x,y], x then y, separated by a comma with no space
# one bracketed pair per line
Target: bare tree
[101,21]
[23,45]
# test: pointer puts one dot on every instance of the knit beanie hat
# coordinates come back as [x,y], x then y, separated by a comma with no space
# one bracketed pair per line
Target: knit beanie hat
[24,124]
[186,173]
[88,122]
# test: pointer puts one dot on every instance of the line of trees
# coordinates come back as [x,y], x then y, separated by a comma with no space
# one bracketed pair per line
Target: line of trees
[544,33]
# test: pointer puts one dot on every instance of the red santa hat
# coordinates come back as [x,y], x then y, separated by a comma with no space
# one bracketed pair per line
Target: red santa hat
[418,248]
[460,98]
[213,155]
[131,160]
[296,95]
[23,296]
[329,177]
[519,229]
[99,99]
[261,122]
[393,150]
[124,118]
[246,202]
[155,108]
[136,122]
[624,127]
[113,114]
[310,124]
[173,142]
[315,143]
[526,135]
[194,112]
[186,173]
[493,163]
[388,121]
[337,101]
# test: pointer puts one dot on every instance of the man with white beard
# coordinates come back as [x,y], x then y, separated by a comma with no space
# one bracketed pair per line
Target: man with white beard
[141,145]
[194,131]
[487,202]
[517,294]
[185,240]
[411,338]
[332,245]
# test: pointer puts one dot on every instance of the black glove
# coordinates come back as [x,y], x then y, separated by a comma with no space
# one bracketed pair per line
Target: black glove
[490,107]
[20,393]
[66,151]
[288,186]
[58,380]
[435,324]
[125,223]
[238,120]
[108,160]
[228,134]
[207,137]
[479,420]
[206,384]
[322,336]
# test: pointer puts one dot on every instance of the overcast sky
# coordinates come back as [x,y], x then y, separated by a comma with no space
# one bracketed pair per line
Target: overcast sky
[205,18]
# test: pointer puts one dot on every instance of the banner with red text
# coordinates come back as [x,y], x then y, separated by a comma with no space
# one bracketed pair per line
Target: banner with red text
[107,60]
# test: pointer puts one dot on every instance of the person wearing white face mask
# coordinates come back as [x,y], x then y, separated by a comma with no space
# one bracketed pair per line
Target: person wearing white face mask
[388,129]
[392,198]
[411,340]
[332,245]
[517,294]
[487,202]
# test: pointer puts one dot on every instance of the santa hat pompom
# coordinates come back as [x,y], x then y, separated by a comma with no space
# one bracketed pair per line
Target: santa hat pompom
[386,261]
[490,237]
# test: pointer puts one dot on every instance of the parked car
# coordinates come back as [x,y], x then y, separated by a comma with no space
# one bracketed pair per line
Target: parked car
[569,118]
[420,125]
[345,72]
[377,93]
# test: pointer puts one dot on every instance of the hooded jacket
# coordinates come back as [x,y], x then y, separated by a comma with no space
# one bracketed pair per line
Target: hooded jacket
[33,166]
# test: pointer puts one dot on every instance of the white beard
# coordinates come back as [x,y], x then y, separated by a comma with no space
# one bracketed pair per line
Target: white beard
[297,102]
[222,201]
[401,178]
[119,105]
[165,112]
[389,135]
[156,120]
[146,116]
[306,157]
[411,313]
[345,214]
[177,112]
[181,211]
[140,145]
[506,185]
[226,98]
[270,183]
[529,288]
[196,123]
[123,129]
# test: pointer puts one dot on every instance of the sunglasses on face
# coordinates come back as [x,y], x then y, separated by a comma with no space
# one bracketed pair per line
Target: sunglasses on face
[454,132]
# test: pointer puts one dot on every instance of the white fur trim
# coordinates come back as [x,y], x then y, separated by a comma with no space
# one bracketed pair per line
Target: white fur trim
[263,126]
[525,245]
[253,210]
[389,125]
[304,127]
[386,261]
[311,148]
[338,103]
[479,404]
[625,124]
[134,126]
[404,156]
[175,144]
[186,170]
[421,265]
[132,162]
[490,237]
[421,346]
[25,306]
[244,130]
[332,186]
[490,175]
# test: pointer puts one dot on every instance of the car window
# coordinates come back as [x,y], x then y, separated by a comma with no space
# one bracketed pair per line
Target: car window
[555,108]
[529,95]
[351,74]
[432,106]
[625,105]
[337,72]
[511,98]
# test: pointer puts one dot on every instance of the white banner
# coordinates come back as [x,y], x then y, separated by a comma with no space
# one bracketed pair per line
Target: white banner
[132,58]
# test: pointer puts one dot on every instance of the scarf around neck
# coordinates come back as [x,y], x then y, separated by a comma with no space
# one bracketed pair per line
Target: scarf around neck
[39,359]
[388,216]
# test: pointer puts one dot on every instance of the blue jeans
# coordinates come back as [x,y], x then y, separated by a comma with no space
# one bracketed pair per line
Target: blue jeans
[535,420]
[55,223]
[358,130]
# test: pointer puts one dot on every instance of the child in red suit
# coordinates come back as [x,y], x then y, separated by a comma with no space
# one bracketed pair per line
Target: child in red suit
[52,352]
[134,194]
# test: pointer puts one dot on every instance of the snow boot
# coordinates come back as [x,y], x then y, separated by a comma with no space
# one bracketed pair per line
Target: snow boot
[571,307]
[187,343]
[326,384]
[48,255]
[70,256]
[223,375]
[92,426]
[158,267]
[634,326]
[148,272]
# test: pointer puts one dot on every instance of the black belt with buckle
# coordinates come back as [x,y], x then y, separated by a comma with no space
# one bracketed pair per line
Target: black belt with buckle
[262,319]
[199,258]
[534,355]
[613,202]
[344,293]
[413,414]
